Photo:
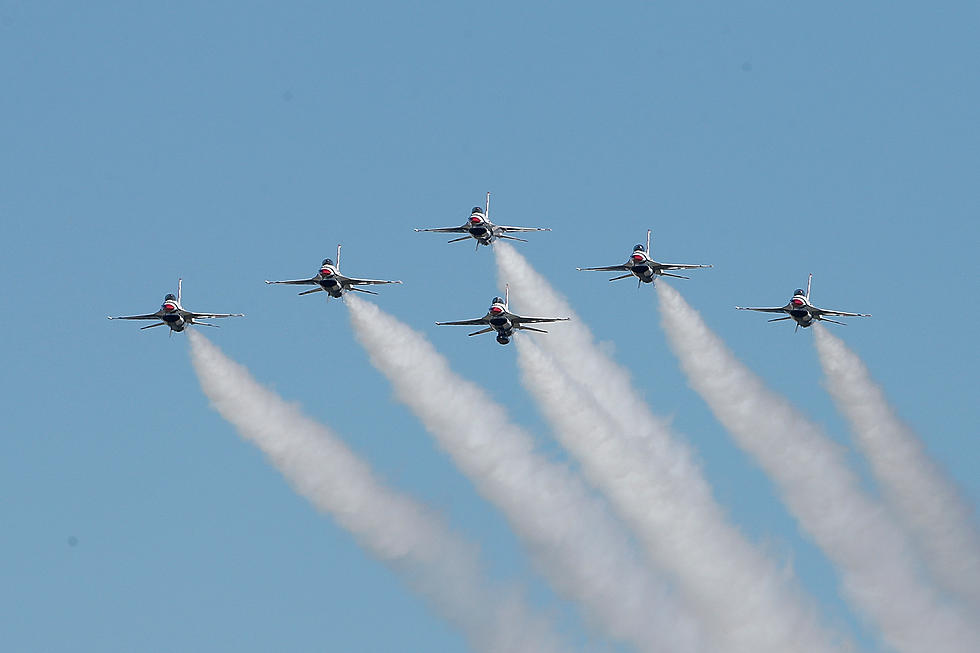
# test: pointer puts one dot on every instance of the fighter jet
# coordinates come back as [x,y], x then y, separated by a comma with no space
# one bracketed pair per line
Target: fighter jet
[503,321]
[330,280]
[478,226]
[800,309]
[644,268]
[174,316]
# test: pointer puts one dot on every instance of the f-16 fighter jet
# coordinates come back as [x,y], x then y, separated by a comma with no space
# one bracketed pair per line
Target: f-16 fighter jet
[644,268]
[800,309]
[501,320]
[330,280]
[174,316]
[478,226]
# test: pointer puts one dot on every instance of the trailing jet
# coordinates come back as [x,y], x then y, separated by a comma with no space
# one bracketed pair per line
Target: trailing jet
[644,268]
[478,226]
[174,316]
[800,309]
[330,280]
[501,320]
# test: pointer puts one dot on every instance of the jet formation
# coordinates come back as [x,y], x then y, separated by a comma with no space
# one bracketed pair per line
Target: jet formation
[498,318]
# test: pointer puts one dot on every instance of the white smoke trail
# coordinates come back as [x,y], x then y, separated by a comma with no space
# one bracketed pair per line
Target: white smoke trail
[583,552]
[926,502]
[399,531]
[747,602]
[750,603]
[879,572]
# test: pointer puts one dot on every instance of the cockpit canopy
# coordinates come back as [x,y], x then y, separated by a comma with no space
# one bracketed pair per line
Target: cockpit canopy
[170,298]
[327,261]
[476,209]
[639,248]
[497,300]
[799,291]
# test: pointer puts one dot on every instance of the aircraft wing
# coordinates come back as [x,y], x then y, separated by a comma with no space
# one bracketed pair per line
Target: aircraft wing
[680,266]
[475,321]
[198,316]
[781,309]
[148,316]
[295,282]
[607,268]
[824,311]
[369,282]
[517,319]
[506,228]
[448,230]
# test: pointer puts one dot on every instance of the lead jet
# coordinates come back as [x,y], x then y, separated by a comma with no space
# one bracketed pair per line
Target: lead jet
[174,316]
[800,309]
[644,268]
[501,320]
[330,280]
[478,226]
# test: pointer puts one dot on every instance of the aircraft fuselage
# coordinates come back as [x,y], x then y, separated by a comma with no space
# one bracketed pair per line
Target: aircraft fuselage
[332,286]
[641,268]
[799,310]
[481,232]
[501,323]
[174,320]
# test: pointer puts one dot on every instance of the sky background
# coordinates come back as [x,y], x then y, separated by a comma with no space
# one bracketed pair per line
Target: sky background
[232,142]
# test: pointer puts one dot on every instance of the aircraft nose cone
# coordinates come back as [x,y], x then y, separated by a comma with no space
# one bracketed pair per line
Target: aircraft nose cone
[496,310]
[797,302]
[637,257]
[169,307]
[326,272]
[475,220]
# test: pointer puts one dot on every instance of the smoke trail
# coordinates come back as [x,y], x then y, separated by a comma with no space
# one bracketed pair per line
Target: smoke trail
[748,603]
[927,503]
[879,572]
[394,528]
[582,551]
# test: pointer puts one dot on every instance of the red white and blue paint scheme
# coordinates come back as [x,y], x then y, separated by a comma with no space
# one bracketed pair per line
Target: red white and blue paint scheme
[478,226]
[174,316]
[501,320]
[800,309]
[644,268]
[328,279]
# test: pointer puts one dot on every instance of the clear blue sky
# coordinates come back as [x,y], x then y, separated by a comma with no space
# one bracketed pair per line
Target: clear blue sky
[231,142]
